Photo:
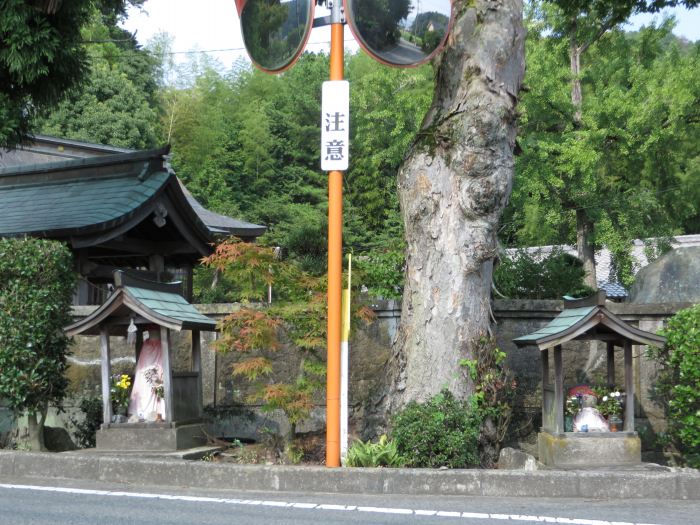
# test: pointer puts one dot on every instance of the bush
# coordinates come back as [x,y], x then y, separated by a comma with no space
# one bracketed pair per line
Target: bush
[384,453]
[678,386]
[382,272]
[36,292]
[532,276]
[442,432]
[86,429]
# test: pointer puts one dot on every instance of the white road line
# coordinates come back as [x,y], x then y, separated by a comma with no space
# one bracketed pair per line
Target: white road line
[323,506]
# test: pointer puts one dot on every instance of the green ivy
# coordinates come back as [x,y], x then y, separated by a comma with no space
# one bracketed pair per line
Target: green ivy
[678,386]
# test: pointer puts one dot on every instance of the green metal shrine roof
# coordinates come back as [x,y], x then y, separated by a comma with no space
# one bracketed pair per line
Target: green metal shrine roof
[169,305]
[587,318]
[98,195]
[144,302]
[73,205]
[560,323]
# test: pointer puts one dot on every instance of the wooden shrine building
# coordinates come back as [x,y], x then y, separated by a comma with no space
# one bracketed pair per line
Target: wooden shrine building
[116,209]
[586,320]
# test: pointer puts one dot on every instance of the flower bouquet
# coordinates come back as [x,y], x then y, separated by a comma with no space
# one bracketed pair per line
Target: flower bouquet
[154,376]
[120,391]
[610,404]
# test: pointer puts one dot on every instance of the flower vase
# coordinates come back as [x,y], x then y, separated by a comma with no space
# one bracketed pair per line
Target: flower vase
[615,423]
[568,423]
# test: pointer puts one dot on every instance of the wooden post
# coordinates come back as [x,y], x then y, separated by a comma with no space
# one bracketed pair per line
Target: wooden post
[197,367]
[139,344]
[629,389]
[106,375]
[611,364]
[544,357]
[167,374]
[558,390]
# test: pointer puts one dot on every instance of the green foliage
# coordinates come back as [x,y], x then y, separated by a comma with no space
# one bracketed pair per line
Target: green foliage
[609,400]
[494,391]
[42,56]
[678,385]
[625,160]
[36,290]
[383,453]
[87,427]
[534,276]
[442,432]
[246,144]
[382,272]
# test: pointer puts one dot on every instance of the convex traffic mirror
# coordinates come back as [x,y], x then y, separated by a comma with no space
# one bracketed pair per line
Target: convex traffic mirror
[275,31]
[400,33]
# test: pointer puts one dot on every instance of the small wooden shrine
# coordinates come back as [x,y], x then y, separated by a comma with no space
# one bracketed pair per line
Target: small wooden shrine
[148,305]
[586,319]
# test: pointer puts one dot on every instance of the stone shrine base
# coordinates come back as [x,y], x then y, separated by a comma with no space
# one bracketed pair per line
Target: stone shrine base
[589,449]
[150,436]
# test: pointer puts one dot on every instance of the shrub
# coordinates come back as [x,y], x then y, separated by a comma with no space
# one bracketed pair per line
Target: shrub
[86,429]
[442,432]
[494,391]
[382,272]
[678,386]
[533,276]
[384,453]
[36,292]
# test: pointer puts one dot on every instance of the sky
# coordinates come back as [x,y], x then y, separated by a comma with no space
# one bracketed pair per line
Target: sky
[213,26]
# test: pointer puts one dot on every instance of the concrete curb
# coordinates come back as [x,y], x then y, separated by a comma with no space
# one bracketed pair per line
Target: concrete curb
[679,485]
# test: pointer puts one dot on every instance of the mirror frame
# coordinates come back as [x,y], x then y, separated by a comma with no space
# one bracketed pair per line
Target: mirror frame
[347,6]
[240,6]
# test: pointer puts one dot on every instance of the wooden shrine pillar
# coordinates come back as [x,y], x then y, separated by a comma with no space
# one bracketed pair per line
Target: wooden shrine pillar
[167,373]
[611,364]
[558,391]
[106,375]
[546,386]
[629,388]
[197,367]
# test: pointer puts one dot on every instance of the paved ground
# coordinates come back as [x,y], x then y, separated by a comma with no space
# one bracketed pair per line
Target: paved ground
[43,502]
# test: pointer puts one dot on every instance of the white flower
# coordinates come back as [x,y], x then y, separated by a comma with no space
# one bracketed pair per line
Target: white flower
[605,398]
[616,394]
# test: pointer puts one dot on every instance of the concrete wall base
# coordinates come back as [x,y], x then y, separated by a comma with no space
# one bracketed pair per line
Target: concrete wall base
[150,438]
[592,449]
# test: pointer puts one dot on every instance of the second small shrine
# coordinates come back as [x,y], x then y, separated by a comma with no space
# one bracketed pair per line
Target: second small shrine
[592,440]
[164,410]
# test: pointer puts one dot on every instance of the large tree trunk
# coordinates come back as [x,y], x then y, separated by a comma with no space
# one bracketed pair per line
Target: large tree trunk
[453,186]
[584,247]
[584,226]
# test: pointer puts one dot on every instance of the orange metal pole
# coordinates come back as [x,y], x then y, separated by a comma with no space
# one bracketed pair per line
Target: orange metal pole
[335,278]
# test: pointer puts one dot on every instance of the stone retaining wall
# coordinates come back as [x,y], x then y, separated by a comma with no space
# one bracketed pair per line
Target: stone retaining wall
[232,415]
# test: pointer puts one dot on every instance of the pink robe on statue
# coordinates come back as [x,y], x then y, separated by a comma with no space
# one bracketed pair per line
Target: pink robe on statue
[144,402]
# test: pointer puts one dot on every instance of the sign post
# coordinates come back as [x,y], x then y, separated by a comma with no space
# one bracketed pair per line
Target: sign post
[272,39]
[335,235]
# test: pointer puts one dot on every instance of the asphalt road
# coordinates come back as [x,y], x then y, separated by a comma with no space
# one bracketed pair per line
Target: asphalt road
[40,502]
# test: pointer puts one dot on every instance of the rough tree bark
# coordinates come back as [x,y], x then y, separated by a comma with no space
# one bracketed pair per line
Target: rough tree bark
[584,225]
[453,186]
